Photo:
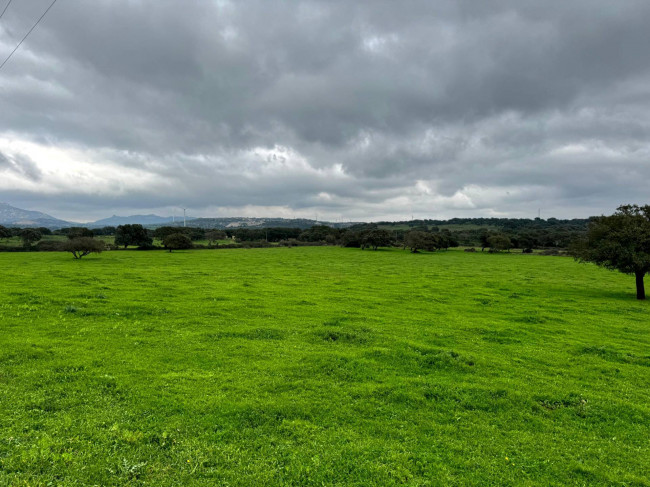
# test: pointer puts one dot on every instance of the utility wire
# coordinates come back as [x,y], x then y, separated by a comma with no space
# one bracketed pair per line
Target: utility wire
[26,35]
[6,7]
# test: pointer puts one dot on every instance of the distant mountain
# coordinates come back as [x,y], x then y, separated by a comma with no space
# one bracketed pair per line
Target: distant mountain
[239,222]
[12,216]
[146,220]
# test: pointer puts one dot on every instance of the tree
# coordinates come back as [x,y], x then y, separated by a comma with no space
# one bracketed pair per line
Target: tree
[161,232]
[445,239]
[4,233]
[318,233]
[105,231]
[375,238]
[350,238]
[132,234]
[214,235]
[29,236]
[498,242]
[619,242]
[177,241]
[416,240]
[81,246]
[526,243]
[484,239]
[194,233]
[76,232]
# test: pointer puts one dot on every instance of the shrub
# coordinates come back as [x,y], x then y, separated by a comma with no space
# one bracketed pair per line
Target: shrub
[49,246]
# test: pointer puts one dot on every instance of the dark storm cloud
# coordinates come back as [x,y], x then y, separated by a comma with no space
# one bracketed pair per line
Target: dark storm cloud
[368,110]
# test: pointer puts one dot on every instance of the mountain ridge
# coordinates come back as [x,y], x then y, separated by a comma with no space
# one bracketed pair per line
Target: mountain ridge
[150,219]
[12,216]
[17,217]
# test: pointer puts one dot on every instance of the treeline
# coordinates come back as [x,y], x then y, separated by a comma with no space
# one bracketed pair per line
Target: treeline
[502,223]
[498,234]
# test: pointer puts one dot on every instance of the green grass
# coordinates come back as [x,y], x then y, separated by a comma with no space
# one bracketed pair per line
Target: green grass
[321,366]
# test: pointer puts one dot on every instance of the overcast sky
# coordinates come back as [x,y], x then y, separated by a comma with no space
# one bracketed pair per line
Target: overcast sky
[345,110]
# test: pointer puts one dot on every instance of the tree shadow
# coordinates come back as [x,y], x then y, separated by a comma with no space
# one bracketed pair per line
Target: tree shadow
[603,294]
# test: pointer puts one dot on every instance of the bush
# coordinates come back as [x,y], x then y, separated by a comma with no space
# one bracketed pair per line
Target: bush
[292,242]
[49,246]
[255,245]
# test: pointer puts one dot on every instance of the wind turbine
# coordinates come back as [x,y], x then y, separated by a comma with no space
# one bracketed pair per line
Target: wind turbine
[183,215]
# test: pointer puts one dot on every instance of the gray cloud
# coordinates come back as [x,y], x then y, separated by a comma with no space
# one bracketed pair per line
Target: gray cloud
[350,110]
[20,165]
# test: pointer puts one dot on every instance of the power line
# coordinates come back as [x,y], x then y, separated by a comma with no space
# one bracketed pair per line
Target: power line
[26,35]
[6,7]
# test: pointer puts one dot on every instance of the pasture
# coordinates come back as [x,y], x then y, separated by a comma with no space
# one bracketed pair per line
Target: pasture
[321,366]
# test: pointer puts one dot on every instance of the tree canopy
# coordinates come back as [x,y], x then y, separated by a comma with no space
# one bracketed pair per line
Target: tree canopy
[214,235]
[76,232]
[498,242]
[29,236]
[177,241]
[418,240]
[376,238]
[619,242]
[134,234]
[81,246]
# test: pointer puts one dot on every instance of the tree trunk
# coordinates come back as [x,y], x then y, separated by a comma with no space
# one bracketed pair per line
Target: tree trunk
[640,288]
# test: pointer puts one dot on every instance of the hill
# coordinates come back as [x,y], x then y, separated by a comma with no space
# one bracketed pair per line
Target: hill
[17,217]
[146,220]
[240,222]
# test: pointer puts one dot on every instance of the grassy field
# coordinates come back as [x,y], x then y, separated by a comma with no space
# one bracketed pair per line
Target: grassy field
[321,366]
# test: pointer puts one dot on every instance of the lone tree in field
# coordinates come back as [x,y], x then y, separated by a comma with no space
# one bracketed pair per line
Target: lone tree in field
[29,236]
[81,246]
[619,242]
[177,241]
[132,235]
